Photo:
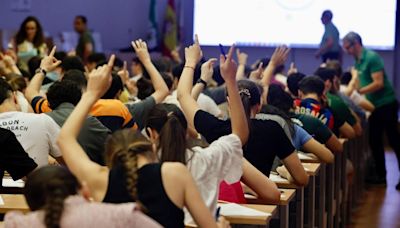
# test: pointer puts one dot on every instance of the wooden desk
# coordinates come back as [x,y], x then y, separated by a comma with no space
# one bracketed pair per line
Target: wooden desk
[312,170]
[308,158]
[287,196]
[296,216]
[254,220]
[13,202]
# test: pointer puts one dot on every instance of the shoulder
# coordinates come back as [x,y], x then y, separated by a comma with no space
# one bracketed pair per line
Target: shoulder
[175,170]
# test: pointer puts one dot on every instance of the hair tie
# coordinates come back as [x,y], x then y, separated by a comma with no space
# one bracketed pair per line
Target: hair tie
[170,114]
[246,92]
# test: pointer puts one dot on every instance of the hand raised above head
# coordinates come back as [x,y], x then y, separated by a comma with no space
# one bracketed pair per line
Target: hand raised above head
[228,66]
[100,79]
[256,74]
[242,57]
[49,62]
[141,50]
[207,69]
[193,53]
[280,55]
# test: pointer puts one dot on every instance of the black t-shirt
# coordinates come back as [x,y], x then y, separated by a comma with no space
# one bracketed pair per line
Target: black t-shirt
[266,140]
[13,157]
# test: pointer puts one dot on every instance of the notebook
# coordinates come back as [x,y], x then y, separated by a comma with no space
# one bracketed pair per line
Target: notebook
[233,209]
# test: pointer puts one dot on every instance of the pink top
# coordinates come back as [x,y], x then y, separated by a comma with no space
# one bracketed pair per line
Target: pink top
[80,213]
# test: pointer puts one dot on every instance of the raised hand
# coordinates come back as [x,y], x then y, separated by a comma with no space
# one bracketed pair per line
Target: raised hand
[141,50]
[49,62]
[207,69]
[124,73]
[242,57]
[228,66]
[279,56]
[193,53]
[255,75]
[292,69]
[100,79]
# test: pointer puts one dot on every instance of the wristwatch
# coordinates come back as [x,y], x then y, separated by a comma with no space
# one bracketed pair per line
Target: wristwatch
[40,70]
[202,82]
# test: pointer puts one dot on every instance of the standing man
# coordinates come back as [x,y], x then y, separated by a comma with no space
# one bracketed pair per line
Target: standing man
[329,47]
[374,84]
[85,45]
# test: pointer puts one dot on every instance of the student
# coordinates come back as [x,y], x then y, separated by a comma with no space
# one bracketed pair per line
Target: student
[57,199]
[284,102]
[209,166]
[13,157]
[263,133]
[36,133]
[132,173]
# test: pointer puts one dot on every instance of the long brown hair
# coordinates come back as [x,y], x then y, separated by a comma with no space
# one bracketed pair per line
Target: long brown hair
[47,188]
[170,123]
[21,34]
[123,147]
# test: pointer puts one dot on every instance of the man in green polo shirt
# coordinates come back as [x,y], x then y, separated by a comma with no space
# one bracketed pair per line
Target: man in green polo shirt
[329,47]
[373,82]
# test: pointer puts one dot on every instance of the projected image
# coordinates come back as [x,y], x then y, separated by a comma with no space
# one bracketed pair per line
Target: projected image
[295,23]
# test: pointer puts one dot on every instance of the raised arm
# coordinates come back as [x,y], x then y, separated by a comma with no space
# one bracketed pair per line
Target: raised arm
[207,70]
[189,105]
[239,123]
[48,63]
[278,58]
[75,157]
[242,61]
[160,88]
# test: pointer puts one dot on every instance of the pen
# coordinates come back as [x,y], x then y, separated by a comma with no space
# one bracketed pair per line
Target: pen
[217,213]
[221,48]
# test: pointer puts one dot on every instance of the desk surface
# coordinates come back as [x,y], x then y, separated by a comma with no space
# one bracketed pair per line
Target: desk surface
[254,220]
[13,202]
[311,168]
[309,158]
[286,196]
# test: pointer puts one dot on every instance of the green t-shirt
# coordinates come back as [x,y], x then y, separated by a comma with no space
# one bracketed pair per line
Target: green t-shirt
[333,32]
[369,63]
[313,126]
[85,38]
[341,112]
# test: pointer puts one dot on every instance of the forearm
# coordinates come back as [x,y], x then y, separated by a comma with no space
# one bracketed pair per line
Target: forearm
[161,89]
[238,117]
[240,72]
[267,74]
[197,89]
[185,82]
[33,88]
[373,87]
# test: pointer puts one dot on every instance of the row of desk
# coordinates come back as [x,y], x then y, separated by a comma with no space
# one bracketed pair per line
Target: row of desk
[322,203]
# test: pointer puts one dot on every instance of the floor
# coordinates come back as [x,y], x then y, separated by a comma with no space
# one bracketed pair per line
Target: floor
[380,206]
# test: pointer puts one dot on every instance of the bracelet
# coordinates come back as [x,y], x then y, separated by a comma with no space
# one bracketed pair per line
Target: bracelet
[40,70]
[189,67]
[201,81]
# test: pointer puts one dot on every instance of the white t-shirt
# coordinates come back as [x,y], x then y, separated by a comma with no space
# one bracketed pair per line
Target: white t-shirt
[355,96]
[221,161]
[205,102]
[23,103]
[37,134]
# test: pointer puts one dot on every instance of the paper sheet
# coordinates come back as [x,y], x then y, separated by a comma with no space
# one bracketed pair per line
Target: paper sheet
[233,209]
[277,178]
[1,201]
[7,182]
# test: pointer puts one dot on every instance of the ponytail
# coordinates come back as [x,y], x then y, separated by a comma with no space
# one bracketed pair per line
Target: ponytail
[170,123]
[56,195]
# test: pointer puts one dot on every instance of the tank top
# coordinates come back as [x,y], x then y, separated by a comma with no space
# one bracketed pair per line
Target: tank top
[150,191]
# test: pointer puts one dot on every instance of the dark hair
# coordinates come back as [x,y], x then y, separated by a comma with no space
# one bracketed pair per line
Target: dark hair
[145,88]
[82,18]
[17,82]
[21,34]
[77,77]
[63,92]
[353,38]
[33,64]
[325,73]
[312,84]
[277,97]
[60,55]
[96,58]
[293,82]
[71,63]
[249,94]
[122,148]
[346,78]
[46,188]
[5,90]
[170,123]
[177,72]
[167,79]
[336,66]
[327,14]
[116,86]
